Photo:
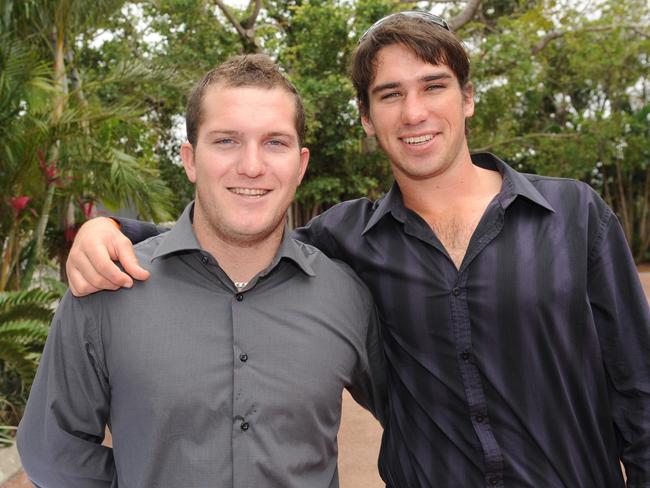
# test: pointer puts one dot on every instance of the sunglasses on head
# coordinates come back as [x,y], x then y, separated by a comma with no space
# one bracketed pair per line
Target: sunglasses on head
[416,14]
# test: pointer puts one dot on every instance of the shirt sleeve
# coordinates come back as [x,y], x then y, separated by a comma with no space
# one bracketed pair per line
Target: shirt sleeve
[622,317]
[137,230]
[60,435]
[369,385]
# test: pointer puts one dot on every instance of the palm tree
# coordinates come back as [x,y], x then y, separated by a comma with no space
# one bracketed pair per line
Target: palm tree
[68,150]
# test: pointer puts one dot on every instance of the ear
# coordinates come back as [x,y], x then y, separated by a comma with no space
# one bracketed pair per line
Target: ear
[368,126]
[468,99]
[304,161]
[187,155]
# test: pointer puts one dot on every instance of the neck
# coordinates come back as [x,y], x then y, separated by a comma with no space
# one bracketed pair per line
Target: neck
[240,259]
[460,183]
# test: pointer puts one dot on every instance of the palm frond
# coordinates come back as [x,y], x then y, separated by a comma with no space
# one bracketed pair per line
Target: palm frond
[27,311]
[24,332]
[36,296]
[19,358]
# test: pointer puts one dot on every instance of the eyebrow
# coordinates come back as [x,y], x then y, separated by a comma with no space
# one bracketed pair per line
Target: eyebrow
[219,132]
[424,79]
[216,132]
[280,134]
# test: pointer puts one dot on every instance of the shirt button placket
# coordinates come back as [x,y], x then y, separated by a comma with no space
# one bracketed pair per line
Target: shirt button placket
[472,383]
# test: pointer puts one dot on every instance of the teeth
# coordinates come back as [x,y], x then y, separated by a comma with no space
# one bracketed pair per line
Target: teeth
[417,140]
[249,192]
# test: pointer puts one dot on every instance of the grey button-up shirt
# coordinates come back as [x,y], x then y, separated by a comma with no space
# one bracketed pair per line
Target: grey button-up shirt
[203,386]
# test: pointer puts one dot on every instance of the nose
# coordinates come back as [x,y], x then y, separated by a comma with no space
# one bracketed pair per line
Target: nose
[251,163]
[413,110]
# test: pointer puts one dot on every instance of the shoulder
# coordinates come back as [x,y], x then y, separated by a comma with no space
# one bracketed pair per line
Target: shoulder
[348,214]
[575,203]
[339,228]
[145,250]
[567,194]
[106,303]
[333,274]
[555,187]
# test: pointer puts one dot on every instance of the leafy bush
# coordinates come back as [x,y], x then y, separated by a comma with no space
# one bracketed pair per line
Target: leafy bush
[25,316]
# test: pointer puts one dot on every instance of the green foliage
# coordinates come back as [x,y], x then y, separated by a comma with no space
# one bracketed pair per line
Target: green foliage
[563,91]
[25,316]
[72,135]
[7,435]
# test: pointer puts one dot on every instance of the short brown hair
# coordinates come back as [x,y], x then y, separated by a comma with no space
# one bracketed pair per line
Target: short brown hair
[429,41]
[246,70]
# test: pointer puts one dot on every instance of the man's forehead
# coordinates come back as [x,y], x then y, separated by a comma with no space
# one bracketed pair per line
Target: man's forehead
[222,88]
[391,67]
[240,109]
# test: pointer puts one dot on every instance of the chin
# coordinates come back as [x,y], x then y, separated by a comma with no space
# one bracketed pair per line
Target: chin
[255,234]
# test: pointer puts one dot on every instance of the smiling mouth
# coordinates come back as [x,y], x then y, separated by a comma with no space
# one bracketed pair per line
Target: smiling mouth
[417,140]
[249,192]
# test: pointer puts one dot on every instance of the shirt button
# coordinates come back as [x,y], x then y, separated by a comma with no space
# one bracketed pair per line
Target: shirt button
[465,355]
[480,419]
[239,297]
[244,426]
[455,291]
[204,259]
[493,481]
[243,358]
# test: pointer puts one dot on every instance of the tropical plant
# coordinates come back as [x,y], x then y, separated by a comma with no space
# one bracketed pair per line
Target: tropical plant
[66,146]
[25,316]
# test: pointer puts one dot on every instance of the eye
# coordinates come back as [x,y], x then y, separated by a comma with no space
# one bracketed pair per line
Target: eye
[434,87]
[277,143]
[224,141]
[389,95]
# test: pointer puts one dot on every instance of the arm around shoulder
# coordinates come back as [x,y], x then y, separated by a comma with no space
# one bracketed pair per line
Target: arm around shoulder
[90,265]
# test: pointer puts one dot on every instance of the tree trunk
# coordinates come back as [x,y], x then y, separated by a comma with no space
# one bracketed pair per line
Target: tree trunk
[623,204]
[61,85]
[644,230]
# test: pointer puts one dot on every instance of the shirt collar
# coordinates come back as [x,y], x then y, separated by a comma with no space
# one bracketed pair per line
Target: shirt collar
[294,251]
[514,184]
[181,238]
[391,202]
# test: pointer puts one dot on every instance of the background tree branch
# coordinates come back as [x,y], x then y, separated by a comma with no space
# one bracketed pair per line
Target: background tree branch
[245,29]
[556,34]
[465,16]
[249,22]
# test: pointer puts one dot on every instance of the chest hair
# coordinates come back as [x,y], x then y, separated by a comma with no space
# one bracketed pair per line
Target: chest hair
[454,232]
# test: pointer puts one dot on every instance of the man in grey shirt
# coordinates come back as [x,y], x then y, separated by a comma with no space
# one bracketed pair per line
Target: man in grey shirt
[226,368]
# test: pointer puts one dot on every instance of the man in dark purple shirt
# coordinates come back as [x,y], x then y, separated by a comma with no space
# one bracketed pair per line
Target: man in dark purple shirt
[514,323]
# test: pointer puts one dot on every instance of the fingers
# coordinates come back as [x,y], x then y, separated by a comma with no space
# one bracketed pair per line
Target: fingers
[100,258]
[88,281]
[90,265]
[125,254]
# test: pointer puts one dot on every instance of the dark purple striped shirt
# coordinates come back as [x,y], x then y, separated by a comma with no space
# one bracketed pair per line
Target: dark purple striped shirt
[529,366]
